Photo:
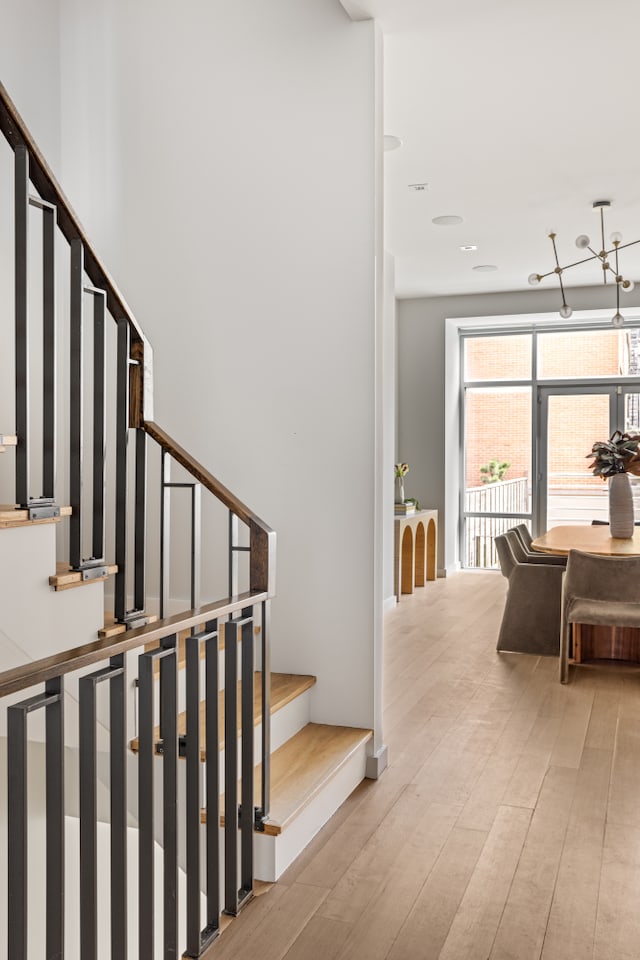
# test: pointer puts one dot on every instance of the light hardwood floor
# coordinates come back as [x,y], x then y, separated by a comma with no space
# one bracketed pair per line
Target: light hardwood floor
[507,826]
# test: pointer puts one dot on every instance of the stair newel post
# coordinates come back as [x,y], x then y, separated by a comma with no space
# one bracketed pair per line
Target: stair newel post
[122,440]
[48,353]
[212,776]
[22,323]
[165,529]
[76,404]
[99,425]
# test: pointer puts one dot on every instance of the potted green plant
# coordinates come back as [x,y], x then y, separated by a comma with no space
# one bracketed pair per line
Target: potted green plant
[401,470]
[614,459]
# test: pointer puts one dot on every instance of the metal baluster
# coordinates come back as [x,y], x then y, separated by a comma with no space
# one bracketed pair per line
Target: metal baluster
[118,763]
[169,734]
[122,439]
[233,555]
[146,858]
[231,767]
[99,423]
[54,715]
[48,352]
[193,749]
[165,530]
[247,809]
[22,323]
[17,868]
[196,550]
[114,673]
[212,778]
[17,863]
[76,404]
[265,799]
[141,519]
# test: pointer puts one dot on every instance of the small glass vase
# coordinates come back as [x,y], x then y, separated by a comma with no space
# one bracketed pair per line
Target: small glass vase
[620,507]
[399,495]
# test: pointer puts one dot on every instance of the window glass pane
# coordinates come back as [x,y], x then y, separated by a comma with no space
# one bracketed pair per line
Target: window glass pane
[584,353]
[575,422]
[498,358]
[498,449]
[479,549]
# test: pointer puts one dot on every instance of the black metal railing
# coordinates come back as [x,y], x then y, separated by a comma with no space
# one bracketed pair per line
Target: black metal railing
[163,758]
[112,483]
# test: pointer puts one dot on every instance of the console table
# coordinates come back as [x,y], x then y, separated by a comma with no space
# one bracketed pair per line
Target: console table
[415,550]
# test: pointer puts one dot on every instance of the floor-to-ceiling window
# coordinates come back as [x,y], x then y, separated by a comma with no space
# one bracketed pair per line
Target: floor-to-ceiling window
[533,404]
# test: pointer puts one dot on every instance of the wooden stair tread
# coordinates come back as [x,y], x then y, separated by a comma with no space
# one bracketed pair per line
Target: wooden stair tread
[65,578]
[113,629]
[10,516]
[300,769]
[285,687]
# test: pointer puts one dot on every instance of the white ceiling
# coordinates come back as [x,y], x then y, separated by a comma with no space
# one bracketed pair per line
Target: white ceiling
[518,115]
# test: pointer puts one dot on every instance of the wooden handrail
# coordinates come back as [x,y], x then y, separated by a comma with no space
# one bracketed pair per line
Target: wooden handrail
[262,537]
[39,671]
[16,133]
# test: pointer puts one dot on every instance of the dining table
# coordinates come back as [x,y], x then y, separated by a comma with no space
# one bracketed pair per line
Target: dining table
[590,539]
[591,642]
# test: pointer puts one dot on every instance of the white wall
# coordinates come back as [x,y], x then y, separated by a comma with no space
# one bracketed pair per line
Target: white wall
[240,226]
[425,441]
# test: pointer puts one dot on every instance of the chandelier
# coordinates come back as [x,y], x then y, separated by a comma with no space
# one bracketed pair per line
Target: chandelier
[608,260]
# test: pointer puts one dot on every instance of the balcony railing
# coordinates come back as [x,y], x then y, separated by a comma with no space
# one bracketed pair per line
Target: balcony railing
[503,496]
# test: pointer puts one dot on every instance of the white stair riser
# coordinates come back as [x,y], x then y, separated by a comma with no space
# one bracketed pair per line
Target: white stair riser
[272,855]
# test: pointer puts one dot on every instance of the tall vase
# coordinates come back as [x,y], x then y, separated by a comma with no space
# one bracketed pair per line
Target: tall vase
[620,507]
[399,496]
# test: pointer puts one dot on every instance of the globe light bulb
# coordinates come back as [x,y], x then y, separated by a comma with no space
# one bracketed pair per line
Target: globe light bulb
[582,242]
[627,285]
[617,320]
[565,311]
[534,279]
[616,238]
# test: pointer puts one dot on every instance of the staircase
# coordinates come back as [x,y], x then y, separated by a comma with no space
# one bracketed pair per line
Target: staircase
[142,731]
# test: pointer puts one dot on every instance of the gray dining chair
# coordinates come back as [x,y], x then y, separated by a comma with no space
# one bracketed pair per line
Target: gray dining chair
[603,591]
[531,618]
[521,547]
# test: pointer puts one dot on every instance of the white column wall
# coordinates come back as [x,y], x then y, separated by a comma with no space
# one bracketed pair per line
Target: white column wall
[237,157]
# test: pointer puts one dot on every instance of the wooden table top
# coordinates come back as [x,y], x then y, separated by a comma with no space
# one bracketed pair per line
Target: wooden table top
[596,539]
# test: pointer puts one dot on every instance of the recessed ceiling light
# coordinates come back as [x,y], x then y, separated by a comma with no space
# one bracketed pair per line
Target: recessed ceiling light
[418,187]
[448,221]
[468,246]
[391,143]
[485,267]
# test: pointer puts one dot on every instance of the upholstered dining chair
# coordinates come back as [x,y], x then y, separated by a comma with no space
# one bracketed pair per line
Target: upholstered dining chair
[531,618]
[604,591]
[521,545]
